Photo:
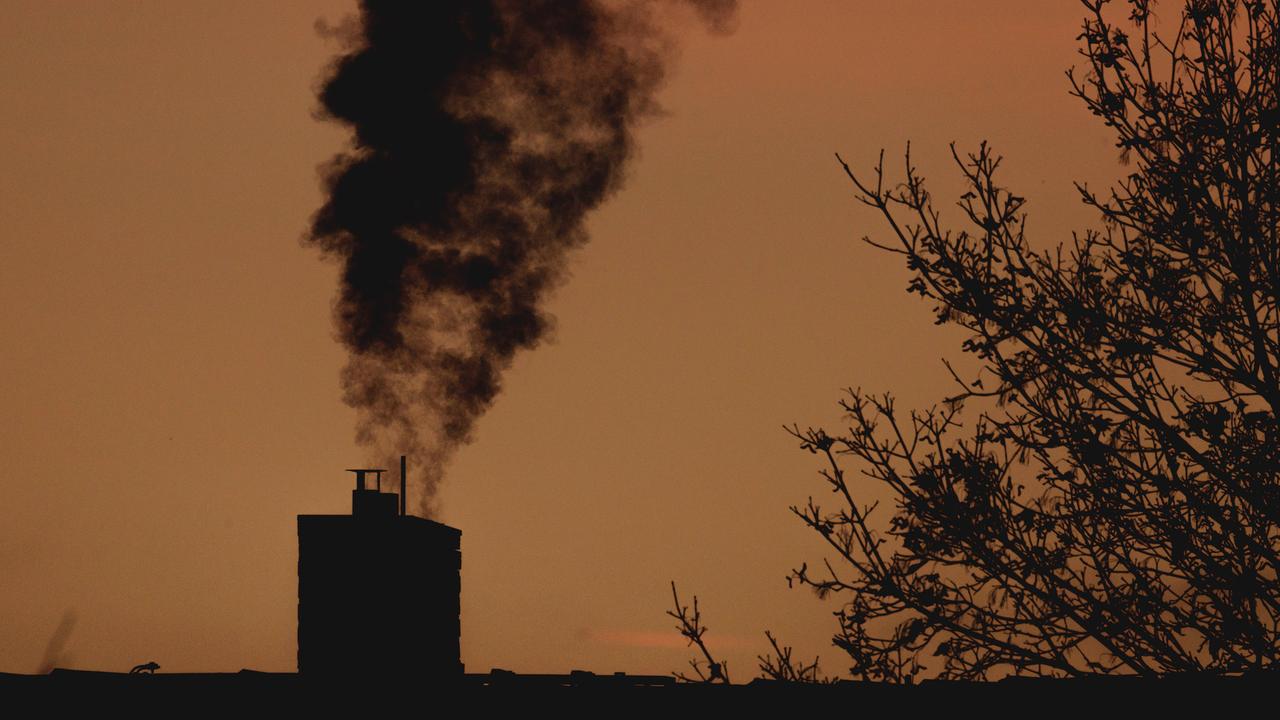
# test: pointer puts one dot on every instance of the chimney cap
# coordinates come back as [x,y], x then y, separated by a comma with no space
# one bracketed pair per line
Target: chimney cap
[361,473]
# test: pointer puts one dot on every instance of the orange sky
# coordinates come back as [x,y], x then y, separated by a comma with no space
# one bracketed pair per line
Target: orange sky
[169,397]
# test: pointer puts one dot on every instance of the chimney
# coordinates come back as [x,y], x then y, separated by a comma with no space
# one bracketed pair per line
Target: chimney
[366,502]
[378,591]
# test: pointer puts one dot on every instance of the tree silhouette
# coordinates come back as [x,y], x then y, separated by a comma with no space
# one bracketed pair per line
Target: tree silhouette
[1101,494]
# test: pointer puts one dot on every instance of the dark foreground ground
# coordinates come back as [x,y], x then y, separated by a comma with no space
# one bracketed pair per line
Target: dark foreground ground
[586,694]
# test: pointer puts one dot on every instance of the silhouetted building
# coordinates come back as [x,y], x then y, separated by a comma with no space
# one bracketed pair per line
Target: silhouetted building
[378,590]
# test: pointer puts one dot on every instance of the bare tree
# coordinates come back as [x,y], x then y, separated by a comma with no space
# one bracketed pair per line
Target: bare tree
[1100,495]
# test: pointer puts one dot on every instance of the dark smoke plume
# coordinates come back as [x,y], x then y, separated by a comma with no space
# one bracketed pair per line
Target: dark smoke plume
[484,132]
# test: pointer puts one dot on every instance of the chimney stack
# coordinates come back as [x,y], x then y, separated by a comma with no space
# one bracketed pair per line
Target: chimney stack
[379,592]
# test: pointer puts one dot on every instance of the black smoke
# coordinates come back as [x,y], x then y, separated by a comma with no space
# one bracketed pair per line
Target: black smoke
[484,131]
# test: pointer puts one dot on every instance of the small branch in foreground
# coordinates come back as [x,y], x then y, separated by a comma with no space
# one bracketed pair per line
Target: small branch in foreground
[709,670]
[780,666]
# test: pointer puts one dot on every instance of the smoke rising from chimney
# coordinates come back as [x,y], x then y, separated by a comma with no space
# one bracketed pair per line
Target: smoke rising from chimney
[483,134]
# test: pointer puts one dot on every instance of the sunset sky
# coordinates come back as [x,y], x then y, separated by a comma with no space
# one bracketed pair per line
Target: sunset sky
[169,396]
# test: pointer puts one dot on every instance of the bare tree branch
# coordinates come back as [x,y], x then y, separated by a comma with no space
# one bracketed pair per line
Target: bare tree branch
[691,627]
